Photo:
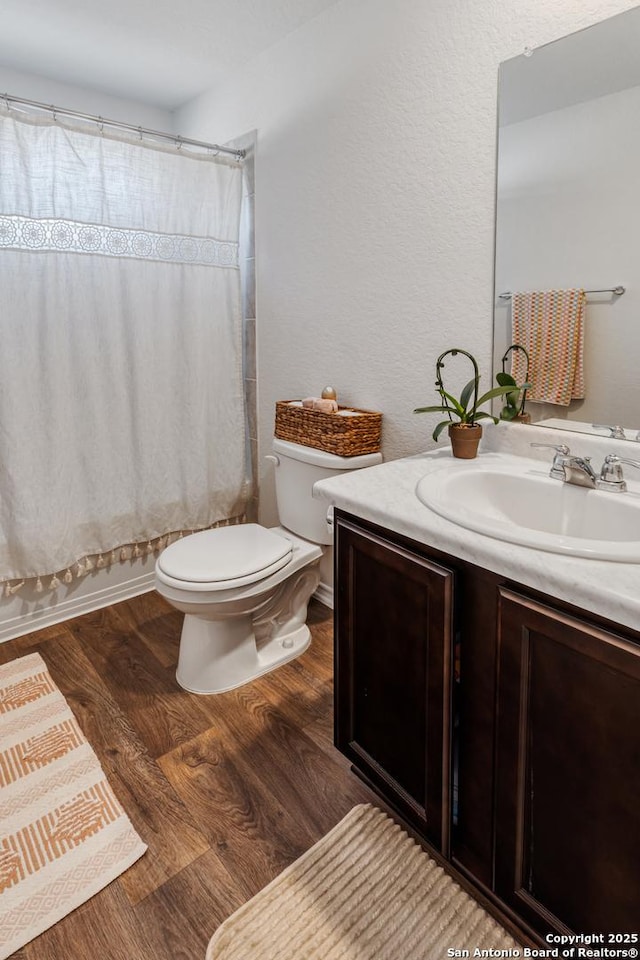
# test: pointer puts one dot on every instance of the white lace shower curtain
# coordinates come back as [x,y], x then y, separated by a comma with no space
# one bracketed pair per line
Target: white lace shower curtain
[121,394]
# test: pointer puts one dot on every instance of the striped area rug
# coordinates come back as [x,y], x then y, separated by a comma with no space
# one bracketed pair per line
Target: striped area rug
[63,834]
[366,891]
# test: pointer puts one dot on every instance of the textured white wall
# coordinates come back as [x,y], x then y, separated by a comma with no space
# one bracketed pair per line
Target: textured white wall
[32,86]
[567,217]
[375,184]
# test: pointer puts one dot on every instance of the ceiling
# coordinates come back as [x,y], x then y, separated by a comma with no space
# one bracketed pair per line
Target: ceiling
[159,52]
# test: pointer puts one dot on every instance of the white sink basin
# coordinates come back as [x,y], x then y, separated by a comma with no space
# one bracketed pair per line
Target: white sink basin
[514,499]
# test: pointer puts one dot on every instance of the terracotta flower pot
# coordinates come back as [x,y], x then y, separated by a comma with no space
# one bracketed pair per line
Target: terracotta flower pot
[522,418]
[465,439]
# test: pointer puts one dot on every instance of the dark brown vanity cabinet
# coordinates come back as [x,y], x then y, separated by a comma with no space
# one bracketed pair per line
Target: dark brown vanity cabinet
[393,673]
[504,727]
[568,770]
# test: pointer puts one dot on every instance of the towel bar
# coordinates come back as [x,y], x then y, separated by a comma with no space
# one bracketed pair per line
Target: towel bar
[616,291]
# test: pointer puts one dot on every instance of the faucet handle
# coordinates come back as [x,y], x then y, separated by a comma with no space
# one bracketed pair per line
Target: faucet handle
[632,463]
[611,475]
[616,432]
[557,471]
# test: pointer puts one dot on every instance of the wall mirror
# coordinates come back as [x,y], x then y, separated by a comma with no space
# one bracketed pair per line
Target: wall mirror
[568,195]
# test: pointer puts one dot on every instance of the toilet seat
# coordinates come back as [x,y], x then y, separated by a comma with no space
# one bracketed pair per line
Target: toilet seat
[224,558]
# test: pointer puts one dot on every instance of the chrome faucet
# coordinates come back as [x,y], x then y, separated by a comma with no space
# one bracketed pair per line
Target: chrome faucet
[570,469]
[578,470]
[615,433]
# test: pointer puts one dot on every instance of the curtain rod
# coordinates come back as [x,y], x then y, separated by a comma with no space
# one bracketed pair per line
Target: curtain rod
[102,121]
[616,291]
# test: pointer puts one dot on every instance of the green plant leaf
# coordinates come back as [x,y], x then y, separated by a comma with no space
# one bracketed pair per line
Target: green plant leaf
[459,407]
[506,380]
[485,416]
[496,392]
[467,392]
[509,413]
[438,409]
[439,428]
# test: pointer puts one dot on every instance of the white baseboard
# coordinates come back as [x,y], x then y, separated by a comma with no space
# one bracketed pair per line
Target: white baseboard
[36,616]
[47,616]
[324,594]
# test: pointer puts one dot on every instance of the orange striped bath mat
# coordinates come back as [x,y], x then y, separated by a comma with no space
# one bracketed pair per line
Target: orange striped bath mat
[63,834]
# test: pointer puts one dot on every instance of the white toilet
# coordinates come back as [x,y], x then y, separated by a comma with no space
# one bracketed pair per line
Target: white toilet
[244,589]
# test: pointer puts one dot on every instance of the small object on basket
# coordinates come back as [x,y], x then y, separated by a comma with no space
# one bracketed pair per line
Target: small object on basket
[348,433]
[324,406]
[329,394]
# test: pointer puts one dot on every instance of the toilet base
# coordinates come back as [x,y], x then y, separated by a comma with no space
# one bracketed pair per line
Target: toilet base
[232,636]
[204,669]
[219,656]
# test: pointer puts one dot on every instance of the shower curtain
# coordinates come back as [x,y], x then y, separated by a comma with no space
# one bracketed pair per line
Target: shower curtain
[121,395]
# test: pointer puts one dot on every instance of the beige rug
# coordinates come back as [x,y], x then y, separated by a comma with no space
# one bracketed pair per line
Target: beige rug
[366,891]
[63,834]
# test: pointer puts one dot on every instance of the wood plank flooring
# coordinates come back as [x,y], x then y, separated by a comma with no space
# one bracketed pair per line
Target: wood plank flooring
[226,790]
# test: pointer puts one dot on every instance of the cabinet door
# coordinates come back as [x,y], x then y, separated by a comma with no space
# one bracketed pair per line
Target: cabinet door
[393,677]
[568,766]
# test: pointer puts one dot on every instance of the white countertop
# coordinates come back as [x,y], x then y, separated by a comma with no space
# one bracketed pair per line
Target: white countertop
[385,495]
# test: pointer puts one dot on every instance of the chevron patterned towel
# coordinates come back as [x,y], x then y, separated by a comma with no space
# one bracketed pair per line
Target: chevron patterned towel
[550,325]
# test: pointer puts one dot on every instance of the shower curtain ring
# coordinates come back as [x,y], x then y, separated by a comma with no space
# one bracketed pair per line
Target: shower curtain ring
[53,113]
[101,125]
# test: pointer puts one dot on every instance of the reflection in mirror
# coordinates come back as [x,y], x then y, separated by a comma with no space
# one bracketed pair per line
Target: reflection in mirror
[567,199]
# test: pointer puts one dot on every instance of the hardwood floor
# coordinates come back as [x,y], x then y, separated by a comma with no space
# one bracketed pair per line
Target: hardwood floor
[225,790]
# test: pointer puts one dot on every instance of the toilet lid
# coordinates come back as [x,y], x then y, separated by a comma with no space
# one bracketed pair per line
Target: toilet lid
[226,553]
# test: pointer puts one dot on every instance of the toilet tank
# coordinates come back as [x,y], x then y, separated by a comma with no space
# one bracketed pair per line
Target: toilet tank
[297,469]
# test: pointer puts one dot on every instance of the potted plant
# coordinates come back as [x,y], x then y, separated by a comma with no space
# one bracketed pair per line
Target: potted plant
[514,400]
[463,413]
